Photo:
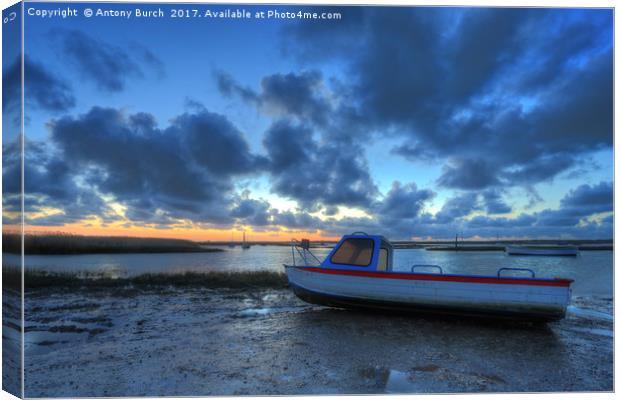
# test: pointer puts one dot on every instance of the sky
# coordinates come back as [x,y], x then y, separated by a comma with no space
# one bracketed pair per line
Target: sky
[414,123]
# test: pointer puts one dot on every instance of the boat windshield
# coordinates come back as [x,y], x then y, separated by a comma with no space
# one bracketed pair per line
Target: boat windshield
[354,251]
[382,265]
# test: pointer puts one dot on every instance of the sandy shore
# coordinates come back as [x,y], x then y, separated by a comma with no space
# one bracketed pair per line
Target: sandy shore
[128,342]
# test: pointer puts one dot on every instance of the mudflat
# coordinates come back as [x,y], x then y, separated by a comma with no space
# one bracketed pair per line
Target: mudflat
[192,341]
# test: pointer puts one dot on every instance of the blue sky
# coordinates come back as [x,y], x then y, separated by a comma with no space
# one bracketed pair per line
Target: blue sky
[411,122]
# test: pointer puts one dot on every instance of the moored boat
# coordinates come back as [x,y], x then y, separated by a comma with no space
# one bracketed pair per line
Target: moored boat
[244,245]
[558,250]
[358,273]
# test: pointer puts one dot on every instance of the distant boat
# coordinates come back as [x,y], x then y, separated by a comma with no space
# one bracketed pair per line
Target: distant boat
[245,245]
[358,273]
[558,250]
[232,240]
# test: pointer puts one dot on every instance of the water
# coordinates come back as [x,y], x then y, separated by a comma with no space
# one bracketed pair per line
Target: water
[592,270]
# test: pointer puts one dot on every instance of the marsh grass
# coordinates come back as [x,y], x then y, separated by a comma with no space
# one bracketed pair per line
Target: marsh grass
[61,243]
[34,279]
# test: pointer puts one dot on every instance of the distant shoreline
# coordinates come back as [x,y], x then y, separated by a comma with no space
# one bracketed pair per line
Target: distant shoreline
[75,245]
[65,244]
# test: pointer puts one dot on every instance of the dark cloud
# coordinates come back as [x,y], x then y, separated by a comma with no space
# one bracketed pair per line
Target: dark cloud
[287,95]
[571,219]
[109,67]
[184,171]
[457,207]
[398,214]
[215,143]
[42,89]
[590,199]
[229,87]
[297,220]
[541,169]
[52,197]
[526,92]
[467,174]
[404,201]
[482,222]
[317,173]
[493,202]
[252,212]
[581,202]
[294,94]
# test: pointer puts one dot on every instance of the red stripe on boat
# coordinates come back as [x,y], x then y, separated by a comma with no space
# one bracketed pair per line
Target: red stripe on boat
[445,278]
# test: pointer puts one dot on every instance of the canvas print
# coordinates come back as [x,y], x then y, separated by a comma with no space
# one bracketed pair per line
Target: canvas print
[233,199]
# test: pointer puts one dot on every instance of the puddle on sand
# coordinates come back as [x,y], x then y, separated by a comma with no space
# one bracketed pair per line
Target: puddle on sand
[399,382]
[587,313]
[259,312]
[254,312]
[271,297]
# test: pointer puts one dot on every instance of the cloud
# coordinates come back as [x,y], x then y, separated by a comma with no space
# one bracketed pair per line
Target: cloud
[457,207]
[43,90]
[229,87]
[48,185]
[581,202]
[294,94]
[541,169]
[571,219]
[297,220]
[183,171]
[515,96]
[109,67]
[590,199]
[468,174]
[313,173]
[403,201]
[493,202]
[215,143]
[283,95]
[252,212]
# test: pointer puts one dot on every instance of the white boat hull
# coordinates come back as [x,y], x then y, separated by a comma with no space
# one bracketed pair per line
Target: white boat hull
[515,297]
[541,251]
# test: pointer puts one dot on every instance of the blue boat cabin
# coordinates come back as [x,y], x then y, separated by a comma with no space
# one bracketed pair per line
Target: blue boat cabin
[361,252]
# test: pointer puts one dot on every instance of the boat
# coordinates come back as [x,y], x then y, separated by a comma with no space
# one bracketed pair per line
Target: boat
[535,250]
[232,240]
[358,273]
[244,244]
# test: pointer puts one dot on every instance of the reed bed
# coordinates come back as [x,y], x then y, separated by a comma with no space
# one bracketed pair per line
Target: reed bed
[35,279]
[62,243]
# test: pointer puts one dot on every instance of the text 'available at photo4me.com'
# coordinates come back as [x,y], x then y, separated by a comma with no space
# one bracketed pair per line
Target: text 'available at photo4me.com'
[181,12]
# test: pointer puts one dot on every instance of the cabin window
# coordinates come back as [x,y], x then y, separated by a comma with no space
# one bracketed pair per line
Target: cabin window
[382,265]
[354,252]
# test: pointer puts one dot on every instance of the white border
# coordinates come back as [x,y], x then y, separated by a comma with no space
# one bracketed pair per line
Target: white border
[483,3]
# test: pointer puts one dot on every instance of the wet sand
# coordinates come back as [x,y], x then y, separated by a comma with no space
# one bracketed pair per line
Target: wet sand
[181,342]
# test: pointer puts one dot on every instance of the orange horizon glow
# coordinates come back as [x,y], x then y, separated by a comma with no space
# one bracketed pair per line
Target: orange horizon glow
[194,234]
